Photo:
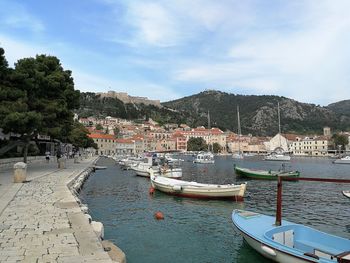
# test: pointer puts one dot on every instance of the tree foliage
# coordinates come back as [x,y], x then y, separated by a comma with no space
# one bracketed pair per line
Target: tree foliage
[37,97]
[196,144]
[340,139]
[216,147]
[79,137]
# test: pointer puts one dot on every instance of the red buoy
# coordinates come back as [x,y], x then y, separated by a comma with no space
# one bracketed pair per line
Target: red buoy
[159,215]
[151,190]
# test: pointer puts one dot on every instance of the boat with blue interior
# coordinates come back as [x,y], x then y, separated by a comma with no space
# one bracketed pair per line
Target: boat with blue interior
[288,242]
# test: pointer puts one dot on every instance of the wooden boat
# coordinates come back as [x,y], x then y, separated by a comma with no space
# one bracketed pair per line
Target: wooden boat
[346,193]
[344,160]
[263,174]
[290,242]
[287,242]
[198,190]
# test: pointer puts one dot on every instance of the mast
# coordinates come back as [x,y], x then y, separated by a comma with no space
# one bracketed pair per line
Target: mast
[208,131]
[239,131]
[279,123]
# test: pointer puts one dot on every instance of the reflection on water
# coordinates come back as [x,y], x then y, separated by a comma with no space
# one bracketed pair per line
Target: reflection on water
[200,230]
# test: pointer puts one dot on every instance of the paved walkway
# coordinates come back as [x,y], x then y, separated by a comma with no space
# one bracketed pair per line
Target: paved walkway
[40,221]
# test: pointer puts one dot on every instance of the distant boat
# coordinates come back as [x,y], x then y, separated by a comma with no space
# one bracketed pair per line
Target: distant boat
[344,160]
[204,157]
[198,190]
[238,155]
[263,174]
[346,193]
[290,242]
[277,157]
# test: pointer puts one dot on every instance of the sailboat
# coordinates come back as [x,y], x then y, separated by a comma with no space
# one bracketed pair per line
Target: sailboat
[274,156]
[238,155]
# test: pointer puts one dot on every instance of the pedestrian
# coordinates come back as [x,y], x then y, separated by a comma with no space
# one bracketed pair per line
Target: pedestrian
[47,156]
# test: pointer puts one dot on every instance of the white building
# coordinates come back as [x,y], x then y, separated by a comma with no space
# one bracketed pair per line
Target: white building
[311,146]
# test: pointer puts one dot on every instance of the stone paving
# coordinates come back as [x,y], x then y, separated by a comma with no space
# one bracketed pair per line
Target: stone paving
[42,222]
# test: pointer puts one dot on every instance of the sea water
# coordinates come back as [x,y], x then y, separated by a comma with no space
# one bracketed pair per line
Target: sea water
[202,230]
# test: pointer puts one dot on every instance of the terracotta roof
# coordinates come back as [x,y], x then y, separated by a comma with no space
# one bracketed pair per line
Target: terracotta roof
[101,136]
[125,141]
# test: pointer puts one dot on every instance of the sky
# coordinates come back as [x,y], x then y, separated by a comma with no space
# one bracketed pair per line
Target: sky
[168,49]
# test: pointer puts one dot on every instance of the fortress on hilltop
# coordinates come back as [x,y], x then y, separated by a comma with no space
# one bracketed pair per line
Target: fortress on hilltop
[124,97]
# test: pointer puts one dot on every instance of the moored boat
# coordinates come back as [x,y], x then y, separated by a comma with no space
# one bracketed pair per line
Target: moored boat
[290,242]
[204,157]
[198,190]
[277,157]
[346,193]
[263,174]
[344,160]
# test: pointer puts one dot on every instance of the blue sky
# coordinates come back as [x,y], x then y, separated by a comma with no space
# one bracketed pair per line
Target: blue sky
[169,49]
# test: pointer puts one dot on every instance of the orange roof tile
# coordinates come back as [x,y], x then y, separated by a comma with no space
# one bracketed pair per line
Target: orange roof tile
[101,136]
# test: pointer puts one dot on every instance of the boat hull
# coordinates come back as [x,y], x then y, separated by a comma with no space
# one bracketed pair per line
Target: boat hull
[234,193]
[264,175]
[289,242]
[279,257]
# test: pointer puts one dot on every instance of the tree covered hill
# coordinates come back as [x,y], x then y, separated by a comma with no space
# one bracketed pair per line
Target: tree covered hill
[258,113]
[92,104]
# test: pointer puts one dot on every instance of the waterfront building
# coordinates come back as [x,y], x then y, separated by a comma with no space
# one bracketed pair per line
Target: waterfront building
[211,136]
[106,143]
[311,146]
[280,142]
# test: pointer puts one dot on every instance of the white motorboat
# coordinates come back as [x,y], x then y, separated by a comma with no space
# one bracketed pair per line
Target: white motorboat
[277,157]
[198,190]
[204,157]
[344,160]
[237,156]
[346,193]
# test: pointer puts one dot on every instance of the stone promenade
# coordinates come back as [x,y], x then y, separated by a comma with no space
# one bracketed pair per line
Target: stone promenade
[40,220]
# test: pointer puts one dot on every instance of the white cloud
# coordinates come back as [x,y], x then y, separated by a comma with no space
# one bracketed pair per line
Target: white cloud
[17,16]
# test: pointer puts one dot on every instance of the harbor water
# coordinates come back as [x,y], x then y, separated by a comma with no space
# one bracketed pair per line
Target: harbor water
[201,230]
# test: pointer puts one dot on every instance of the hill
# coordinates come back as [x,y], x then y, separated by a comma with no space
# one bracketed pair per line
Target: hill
[258,113]
[92,104]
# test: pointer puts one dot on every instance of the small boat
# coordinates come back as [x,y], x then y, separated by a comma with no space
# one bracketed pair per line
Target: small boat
[263,174]
[277,157]
[204,157]
[346,193]
[290,242]
[96,167]
[237,156]
[198,190]
[344,160]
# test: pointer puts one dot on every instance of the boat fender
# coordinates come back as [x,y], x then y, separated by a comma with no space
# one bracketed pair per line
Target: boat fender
[268,250]
[177,188]
[151,190]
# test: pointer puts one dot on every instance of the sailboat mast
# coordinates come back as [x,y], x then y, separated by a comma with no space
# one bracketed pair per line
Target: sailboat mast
[279,122]
[209,131]
[239,131]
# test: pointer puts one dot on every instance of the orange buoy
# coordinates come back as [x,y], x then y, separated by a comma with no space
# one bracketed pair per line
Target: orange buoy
[151,190]
[159,215]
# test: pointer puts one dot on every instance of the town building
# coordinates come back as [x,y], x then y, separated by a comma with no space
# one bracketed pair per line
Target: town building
[106,143]
[310,146]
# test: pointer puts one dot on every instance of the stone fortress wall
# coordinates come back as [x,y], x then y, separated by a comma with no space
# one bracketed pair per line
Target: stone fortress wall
[124,97]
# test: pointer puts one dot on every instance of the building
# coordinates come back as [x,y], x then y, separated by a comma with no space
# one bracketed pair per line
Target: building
[311,146]
[278,143]
[327,132]
[125,146]
[106,143]
[210,136]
